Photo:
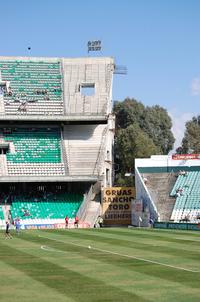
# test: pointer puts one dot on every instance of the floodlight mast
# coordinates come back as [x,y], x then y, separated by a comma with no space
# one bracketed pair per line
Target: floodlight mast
[120,69]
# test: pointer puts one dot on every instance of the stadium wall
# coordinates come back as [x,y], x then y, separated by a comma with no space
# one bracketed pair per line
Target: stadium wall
[41,91]
[142,194]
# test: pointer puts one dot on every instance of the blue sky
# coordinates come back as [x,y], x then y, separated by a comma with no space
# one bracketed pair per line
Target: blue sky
[157,40]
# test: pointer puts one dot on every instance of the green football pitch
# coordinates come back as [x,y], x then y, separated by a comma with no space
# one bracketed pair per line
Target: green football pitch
[108,264]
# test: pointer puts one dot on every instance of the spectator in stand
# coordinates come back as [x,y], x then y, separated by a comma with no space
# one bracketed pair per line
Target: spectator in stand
[179,192]
[26,213]
[76,222]
[145,180]
[184,173]
[66,222]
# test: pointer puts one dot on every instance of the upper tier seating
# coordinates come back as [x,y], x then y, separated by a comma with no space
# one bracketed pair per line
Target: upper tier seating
[33,151]
[51,206]
[187,192]
[35,87]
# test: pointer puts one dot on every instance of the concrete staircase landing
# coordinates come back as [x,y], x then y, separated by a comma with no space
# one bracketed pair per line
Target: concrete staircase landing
[159,186]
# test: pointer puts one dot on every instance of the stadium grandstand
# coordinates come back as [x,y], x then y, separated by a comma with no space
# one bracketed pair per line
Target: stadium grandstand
[169,187]
[56,139]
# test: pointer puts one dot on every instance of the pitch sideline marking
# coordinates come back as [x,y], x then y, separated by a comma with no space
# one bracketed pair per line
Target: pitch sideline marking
[118,254]
[49,249]
[187,239]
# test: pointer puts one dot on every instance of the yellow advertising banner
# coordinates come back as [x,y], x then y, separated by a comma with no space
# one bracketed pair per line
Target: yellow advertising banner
[117,205]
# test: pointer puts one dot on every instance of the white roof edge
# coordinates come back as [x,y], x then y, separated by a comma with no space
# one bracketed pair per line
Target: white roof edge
[165,160]
[56,58]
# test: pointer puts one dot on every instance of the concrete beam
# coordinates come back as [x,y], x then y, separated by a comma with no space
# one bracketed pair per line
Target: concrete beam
[53,118]
[77,178]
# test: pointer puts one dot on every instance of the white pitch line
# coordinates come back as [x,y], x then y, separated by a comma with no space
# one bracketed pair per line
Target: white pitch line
[49,249]
[187,239]
[122,255]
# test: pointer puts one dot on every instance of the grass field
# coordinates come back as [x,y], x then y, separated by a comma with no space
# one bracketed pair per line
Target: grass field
[111,264]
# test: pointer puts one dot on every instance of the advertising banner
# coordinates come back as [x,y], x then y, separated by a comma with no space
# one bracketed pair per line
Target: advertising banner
[43,226]
[185,156]
[52,226]
[179,226]
[117,205]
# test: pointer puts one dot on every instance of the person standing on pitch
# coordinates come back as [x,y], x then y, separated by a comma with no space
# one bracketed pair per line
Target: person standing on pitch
[66,222]
[17,226]
[7,233]
[76,221]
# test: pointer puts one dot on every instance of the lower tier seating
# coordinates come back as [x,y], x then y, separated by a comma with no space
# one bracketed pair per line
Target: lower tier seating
[1,214]
[2,219]
[49,206]
[187,193]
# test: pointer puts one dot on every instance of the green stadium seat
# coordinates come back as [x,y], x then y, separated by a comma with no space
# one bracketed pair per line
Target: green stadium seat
[37,83]
[188,204]
[55,207]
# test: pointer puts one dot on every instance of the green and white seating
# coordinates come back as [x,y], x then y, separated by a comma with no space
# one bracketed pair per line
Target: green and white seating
[2,219]
[1,213]
[35,87]
[33,151]
[187,205]
[51,208]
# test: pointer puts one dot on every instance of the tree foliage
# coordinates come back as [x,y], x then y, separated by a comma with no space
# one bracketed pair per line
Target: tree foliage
[158,126]
[128,112]
[131,143]
[191,140]
[140,132]
[154,121]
